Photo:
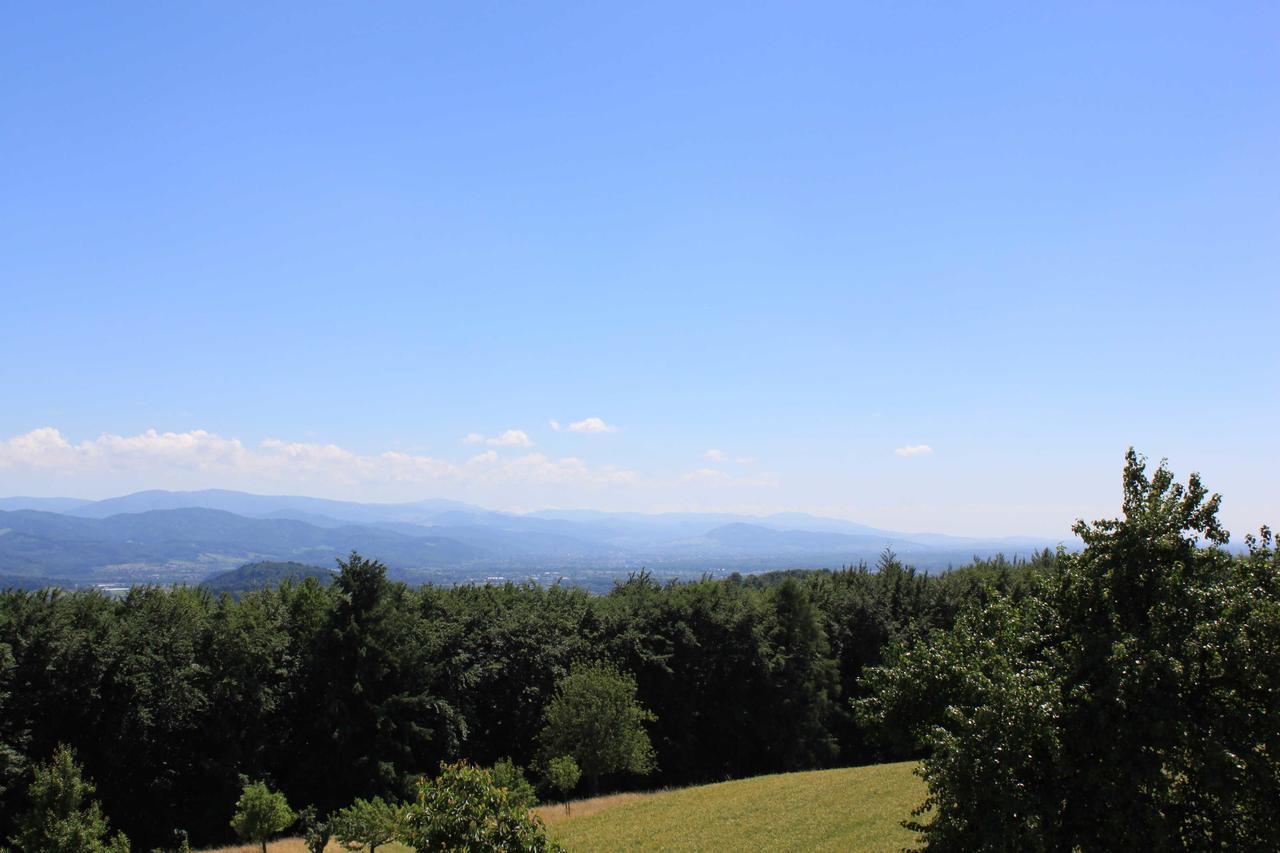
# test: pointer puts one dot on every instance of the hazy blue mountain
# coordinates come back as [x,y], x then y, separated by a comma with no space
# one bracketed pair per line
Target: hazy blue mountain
[42,504]
[244,503]
[41,543]
[159,536]
[752,538]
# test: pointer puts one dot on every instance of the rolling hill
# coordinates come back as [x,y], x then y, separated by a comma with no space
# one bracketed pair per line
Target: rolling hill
[161,536]
[43,544]
[252,576]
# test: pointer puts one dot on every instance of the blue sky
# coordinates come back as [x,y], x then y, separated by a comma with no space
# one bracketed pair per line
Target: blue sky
[313,247]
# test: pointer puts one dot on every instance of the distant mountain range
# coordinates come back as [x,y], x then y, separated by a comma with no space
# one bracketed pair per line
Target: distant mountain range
[161,536]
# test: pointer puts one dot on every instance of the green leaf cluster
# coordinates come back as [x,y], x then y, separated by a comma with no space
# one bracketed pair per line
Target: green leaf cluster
[595,718]
[1127,702]
[365,824]
[261,814]
[463,810]
[64,817]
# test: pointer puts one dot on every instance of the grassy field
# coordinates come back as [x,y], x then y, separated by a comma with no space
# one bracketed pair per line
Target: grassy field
[852,809]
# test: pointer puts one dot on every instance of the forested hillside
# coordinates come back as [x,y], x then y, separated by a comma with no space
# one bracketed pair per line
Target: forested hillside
[170,694]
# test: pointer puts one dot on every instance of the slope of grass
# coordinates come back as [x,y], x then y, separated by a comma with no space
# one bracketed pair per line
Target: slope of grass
[851,809]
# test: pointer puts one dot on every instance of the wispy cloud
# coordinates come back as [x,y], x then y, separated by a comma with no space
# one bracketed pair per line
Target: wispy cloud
[914,450]
[591,425]
[509,438]
[219,459]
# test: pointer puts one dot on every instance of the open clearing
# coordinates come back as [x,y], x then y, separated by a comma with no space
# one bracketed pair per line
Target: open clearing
[851,809]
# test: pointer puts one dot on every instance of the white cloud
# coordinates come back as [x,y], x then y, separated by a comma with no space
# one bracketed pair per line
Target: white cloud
[167,457]
[591,425]
[914,450]
[554,424]
[715,455]
[509,438]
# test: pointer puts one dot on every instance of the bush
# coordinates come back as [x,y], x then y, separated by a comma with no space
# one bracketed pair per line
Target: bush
[507,774]
[365,824]
[315,830]
[463,810]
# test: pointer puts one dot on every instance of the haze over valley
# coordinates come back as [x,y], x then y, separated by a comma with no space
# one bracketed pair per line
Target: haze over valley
[184,537]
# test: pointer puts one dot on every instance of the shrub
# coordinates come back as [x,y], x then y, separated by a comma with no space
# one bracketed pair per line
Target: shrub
[315,831]
[507,774]
[463,810]
[365,824]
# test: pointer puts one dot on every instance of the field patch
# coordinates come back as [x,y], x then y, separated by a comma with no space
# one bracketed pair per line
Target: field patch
[850,809]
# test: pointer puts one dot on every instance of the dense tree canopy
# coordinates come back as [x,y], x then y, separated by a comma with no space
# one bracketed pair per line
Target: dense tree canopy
[169,696]
[1128,701]
[63,816]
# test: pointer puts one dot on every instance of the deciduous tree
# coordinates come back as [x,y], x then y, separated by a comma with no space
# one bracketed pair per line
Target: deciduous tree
[594,717]
[261,813]
[1128,702]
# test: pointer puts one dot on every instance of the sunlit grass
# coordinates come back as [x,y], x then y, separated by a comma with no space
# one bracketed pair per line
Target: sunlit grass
[851,809]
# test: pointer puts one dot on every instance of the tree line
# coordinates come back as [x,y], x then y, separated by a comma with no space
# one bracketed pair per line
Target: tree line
[171,697]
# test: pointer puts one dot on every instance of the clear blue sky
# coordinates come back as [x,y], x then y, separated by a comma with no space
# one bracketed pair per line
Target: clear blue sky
[803,235]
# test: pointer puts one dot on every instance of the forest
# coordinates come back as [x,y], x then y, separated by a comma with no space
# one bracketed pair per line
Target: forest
[169,695]
[1124,694]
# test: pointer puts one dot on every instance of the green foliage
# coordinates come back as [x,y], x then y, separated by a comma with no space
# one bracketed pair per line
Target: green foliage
[261,813]
[1126,702]
[12,738]
[365,824]
[595,718]
[375,683]
[807,678]
[254,576]
[507,774]
[346,691]
[463,810]
[315,830]
[63,816]
[562,774]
